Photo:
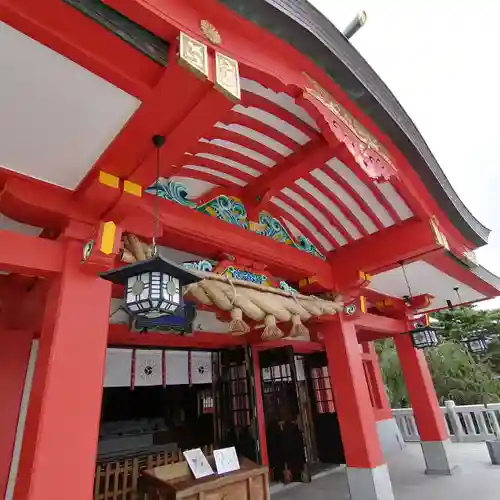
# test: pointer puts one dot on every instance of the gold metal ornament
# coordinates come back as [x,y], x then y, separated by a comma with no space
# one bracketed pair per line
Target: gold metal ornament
[193,55]
[227,76]
[210,32]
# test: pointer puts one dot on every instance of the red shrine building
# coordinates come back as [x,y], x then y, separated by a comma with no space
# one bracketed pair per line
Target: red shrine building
[301,212]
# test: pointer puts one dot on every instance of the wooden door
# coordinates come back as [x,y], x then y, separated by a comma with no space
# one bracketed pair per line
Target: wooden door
[235,422]
[326,425]
[288,457]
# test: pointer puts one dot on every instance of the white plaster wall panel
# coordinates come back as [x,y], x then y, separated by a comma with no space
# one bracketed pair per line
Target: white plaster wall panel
[242,150]
[331,207]
[230,163]
[316,214]
[395,200]
[177,367]
[335,188]
[304,221]
[274,122]
[118,371]
[57,118]
[201,367]
[424,278]
[283,100]
[17,227]
[263,139]
[195,187]
[216,173]
[148,367]
[206,321]
[362,189]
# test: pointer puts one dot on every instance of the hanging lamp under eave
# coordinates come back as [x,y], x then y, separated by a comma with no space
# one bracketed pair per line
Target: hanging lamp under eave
[153,287]
[476,343]
[424,337]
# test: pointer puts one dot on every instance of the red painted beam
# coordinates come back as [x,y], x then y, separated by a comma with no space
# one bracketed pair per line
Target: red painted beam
[380,324]
[121,335]
[383,250]
[29,255]
[69,32]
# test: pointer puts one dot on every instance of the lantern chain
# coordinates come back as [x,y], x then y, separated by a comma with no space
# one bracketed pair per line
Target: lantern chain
[158,141]
[402,264]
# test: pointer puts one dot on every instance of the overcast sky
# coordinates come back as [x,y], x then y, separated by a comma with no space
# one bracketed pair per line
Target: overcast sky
[441,60]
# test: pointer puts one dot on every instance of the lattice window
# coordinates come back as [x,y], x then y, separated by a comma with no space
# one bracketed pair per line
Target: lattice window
[240,396]
[205,402]
[323,394]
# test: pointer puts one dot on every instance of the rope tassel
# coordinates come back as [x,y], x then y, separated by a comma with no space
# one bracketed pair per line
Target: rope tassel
[271,331]
[237,326]
[298,329]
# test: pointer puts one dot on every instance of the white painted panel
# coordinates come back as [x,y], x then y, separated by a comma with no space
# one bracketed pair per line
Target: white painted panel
[148,367]
[316,214]
[395,200]
[305,222]
[56,117]
[346,199]
[177,367]
[263,139]
[206,321]
[201,367]
[23,411]
[216,173]
[118,371]
[331,207]
[274,122]
[283,100]
[12,225]
[424,278]
[194,187]
[242,150]
[117,313]
[362,189]
[299,367]
[230,163]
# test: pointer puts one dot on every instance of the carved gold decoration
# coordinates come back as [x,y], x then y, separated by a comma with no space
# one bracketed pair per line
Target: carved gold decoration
[227,76]
[193,55]
[210,32]
[439,237]
[319,93]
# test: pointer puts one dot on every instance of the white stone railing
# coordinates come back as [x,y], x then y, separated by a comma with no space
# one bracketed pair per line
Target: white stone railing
[465,423]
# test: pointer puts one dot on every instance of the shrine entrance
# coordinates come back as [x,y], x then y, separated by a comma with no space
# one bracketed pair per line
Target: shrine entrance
[302,428]
[285,416]
[235,422]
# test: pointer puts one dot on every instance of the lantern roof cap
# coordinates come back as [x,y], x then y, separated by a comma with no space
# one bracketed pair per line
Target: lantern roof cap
[155,264]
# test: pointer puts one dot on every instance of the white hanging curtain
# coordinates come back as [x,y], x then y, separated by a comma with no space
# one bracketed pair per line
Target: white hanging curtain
[118,369]
[177,367]
[201,367]
[148,367]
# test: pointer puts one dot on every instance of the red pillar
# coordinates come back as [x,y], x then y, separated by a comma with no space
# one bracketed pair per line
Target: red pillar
[428,415]
[259,403]
[60,439]
[366,469]
[14,357]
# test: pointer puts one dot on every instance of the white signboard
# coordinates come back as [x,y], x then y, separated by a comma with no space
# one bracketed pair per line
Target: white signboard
[198,463]
[226,460]
[201,367]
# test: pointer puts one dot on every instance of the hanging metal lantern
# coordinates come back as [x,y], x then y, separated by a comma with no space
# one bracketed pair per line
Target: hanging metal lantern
[153,287]
[476,343]
[424,337]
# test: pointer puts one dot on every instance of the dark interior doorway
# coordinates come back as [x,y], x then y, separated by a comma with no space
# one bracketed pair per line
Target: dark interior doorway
[284,416]
[153,419]
[235,422]
[328,447]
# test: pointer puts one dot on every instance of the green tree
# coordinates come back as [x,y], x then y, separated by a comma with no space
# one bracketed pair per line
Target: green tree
[456,374]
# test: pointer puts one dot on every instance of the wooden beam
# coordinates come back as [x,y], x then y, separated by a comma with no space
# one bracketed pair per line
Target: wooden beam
[29,255]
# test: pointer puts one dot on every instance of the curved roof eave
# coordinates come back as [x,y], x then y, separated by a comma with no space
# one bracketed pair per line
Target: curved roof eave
[310,32]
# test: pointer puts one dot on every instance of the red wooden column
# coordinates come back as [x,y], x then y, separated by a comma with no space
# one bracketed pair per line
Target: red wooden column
[14,356]
[366,469]
[259,404]
[62,424]
[428,415]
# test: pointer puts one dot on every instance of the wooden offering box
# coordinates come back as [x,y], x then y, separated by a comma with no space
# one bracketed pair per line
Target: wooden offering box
[174,481]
